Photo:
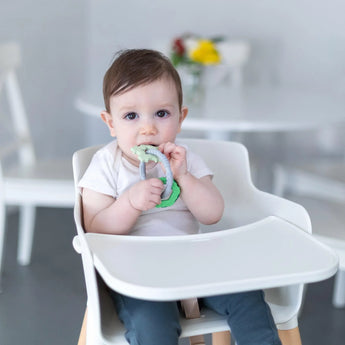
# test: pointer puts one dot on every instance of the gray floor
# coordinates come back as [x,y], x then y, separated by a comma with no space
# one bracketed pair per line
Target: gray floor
[44,302]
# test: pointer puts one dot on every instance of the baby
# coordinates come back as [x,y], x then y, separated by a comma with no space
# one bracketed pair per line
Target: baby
[144,106]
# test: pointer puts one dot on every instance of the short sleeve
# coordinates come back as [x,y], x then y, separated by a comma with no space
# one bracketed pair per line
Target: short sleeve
[100,175]
[197,166]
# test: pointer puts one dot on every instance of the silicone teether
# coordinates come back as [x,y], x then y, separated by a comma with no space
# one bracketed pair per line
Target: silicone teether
[148,153]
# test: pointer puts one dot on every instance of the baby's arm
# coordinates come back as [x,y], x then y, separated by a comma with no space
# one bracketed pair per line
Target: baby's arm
[199,194]
[202,198]
[104,214]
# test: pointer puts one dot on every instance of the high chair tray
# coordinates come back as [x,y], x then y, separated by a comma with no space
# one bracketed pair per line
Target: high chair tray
[265,254]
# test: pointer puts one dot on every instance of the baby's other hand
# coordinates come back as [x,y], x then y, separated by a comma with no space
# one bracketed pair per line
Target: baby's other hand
[177,158]
[146,194]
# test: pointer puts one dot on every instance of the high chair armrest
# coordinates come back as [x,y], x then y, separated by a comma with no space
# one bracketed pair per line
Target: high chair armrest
[256,205]
[76,244]
[283,208]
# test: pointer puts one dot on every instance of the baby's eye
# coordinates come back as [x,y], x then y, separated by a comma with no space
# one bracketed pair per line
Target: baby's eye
[162,113]
[131,116]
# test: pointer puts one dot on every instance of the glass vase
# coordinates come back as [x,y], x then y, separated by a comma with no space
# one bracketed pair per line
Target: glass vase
[192,84]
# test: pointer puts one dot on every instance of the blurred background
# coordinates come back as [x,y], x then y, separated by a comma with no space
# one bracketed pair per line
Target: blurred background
[65,50]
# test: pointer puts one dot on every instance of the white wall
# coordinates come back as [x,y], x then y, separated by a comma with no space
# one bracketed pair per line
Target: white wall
[293,41]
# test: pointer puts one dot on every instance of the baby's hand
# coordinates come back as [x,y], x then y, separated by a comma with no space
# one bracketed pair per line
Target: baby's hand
[146,194]
[177,158]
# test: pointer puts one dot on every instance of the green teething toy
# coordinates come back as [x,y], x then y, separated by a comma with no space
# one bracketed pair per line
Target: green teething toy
[143,156]
[148,153]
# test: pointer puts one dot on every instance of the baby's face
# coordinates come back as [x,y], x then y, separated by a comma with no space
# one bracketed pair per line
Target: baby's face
[147,114]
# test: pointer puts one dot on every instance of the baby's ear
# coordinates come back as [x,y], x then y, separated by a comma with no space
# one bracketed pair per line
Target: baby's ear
[183,115]
[108,119]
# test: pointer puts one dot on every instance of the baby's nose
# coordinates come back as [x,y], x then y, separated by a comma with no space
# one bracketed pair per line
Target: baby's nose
[148,129]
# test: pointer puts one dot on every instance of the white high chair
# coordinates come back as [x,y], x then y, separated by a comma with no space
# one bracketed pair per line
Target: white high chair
[257,220]
[24,181]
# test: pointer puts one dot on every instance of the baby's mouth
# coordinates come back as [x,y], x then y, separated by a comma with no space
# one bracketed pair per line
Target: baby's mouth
[148,143]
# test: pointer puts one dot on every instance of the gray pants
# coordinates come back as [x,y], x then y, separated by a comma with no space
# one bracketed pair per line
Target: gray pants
[157,323]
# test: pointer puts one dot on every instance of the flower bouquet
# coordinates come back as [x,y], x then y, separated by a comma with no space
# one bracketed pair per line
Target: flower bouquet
[191,50]
[191,55]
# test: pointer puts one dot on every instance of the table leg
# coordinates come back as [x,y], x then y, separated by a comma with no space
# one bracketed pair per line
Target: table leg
[191,309]
[82,336]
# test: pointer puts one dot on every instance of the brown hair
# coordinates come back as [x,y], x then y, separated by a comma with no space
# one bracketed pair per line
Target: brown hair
[134,67]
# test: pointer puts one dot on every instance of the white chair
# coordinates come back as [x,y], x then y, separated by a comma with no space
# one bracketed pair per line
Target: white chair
[320,185]
[244,205]
[24,181]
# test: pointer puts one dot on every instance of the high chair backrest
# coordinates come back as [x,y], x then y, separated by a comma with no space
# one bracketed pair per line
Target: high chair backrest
[10,58]
[230,164]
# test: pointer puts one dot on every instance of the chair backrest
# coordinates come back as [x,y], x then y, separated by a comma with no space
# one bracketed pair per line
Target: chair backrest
[22,142]
[230,163]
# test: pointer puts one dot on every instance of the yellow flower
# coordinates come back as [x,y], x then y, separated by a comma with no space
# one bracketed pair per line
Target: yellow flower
[205,53]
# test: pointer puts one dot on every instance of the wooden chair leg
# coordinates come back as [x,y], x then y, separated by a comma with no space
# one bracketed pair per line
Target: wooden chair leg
[290,336]
[191,309]
[287,337]
[82,336]
[221,338]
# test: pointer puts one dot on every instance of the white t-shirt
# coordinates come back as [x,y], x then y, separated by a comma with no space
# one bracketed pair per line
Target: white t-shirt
[111,174]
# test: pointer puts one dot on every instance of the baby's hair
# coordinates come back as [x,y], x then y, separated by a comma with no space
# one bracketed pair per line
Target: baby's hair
[134,67]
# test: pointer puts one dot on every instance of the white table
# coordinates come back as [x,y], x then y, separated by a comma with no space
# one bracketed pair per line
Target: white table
[263,109]
[254,109]
[179,267]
